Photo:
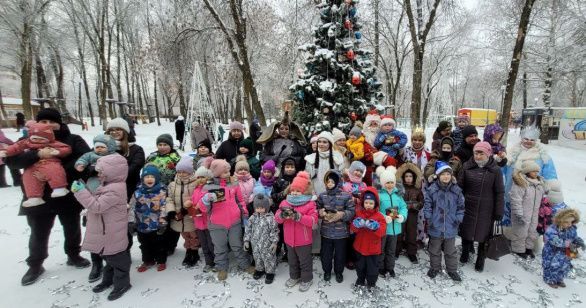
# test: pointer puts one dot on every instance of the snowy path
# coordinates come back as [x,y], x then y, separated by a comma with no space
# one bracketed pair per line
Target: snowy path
[509,282]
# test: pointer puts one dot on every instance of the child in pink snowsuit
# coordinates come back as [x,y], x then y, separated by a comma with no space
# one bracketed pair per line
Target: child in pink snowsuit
[41,136]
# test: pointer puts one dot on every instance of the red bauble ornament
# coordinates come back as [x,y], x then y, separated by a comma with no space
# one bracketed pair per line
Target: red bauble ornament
[356,79]
[348,24]
[350,54]
[348,1]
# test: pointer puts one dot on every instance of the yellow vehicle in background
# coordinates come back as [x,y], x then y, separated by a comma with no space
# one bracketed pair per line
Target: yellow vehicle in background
[479,116]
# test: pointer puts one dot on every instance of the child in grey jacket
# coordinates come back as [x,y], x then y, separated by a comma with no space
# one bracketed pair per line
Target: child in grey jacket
[103,145]
[262,233]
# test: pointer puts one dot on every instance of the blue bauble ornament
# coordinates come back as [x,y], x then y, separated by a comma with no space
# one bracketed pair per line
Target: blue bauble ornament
[358,35]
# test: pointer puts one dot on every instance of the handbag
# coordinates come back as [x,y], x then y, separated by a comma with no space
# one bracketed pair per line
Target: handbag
[498,245]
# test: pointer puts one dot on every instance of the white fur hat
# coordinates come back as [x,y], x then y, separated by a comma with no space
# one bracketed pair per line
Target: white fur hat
[326,135]
[338,134]
[118,123]
[203,171]
[386,174]
[555,194]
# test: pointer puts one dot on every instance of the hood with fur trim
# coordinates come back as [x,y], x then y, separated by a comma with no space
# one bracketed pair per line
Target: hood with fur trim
[414,169]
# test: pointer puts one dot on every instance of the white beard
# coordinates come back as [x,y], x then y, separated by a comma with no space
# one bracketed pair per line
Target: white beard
[370,135]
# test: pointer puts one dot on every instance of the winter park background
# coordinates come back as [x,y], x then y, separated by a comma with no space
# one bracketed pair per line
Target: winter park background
[506,283]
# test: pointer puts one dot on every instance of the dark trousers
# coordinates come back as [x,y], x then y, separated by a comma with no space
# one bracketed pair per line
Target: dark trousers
[171,238]
[153,247]
[117,270]
[281,244]
[367,269]
[205,240]
[16,176]
[333,250]
[408,239]
[387,258]
[350,253]
[41,225]
[300,263]
[96,258]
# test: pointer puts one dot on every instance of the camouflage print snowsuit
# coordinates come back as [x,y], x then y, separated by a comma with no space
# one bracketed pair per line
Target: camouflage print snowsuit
[262,231]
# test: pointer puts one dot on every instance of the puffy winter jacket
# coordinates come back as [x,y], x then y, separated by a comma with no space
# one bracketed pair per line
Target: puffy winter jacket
[177,193]
[200,221]
[443,209]
[149,207]
[107,213]
[278,194]
[393,201]
[390,142]
[135,160]
[369,242]
[226,213]
[338,200]
[166,164]
[298,233]
[262,231]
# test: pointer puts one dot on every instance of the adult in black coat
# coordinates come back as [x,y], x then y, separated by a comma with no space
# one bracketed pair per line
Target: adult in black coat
[228,149]
[484,191]
[41,218]
[470,136]
[20,121]
[180,129]
[255,132]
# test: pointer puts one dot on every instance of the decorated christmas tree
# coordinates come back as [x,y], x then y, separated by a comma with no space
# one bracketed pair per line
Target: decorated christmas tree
[338,85]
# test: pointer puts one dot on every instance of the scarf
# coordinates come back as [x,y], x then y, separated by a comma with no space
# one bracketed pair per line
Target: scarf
[481,163]
[445,156]
[150,190]
[418,150]
[267,182]
[355,179]
[298,200]
[243,178]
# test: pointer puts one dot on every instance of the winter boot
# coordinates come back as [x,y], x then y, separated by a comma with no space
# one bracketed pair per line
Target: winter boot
[304,286]
[339,278]
[222,275]
[145,266]
[33,202]
[117,293]
[96,272]
[78,261]
[432,273]
[465,256]
[291,282]
[413,259]
[327,276]
[258,275]
[100,287]
[392,273]
[161,267]
[32,275]
[521,255]
[455,276]
[59,192]
[529,253]
[269,278]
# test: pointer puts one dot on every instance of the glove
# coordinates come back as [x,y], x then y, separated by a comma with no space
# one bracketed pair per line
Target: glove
[273,248]
[359,223]
[519,220]
[297,216]
[337,216]
[209,198]
[322,212]
[247,245]
[580,243]
[284,215]
[77,186]
[372,225]
[389,219]
[171,215]
[498,217]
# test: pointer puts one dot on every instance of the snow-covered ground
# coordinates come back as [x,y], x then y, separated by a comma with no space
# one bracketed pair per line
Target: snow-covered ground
[508,282]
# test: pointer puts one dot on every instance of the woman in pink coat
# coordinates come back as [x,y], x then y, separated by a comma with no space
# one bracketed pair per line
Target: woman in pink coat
[298,215]
[107,223]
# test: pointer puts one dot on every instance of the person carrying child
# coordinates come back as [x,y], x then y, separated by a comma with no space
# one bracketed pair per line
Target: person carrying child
[41,136]
[148,204]
[336,209]
[444,212]
[561,243]
[107,223]
[370,228]
[262,235]
[298,215]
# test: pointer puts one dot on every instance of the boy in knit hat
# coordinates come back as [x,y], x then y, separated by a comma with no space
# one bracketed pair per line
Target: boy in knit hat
[165,158]
[262,235]
[227,212]
[444,212]
[247,149]
[394,209]
[103,145]
[298,215]
[280,192]
[465,150]
[461,122]
[336,208]
[178,202]
[149,205]
[369,227]
[390,140]
[526,193]
[41,136]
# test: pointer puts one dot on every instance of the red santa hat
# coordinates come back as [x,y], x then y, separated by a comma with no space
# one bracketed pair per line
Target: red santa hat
[387,119]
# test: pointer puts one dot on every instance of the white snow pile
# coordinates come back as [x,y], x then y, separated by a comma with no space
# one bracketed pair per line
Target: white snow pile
[506,283]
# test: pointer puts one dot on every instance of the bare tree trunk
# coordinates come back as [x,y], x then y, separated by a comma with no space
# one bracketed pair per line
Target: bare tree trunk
[26,59]
[80,102]
[42,86]
[515,61]
[156,101]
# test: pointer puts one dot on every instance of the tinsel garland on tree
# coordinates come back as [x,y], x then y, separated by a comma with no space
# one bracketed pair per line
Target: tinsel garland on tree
[339,81]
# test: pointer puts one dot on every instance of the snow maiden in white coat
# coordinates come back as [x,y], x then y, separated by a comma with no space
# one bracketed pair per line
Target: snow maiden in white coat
[529,149]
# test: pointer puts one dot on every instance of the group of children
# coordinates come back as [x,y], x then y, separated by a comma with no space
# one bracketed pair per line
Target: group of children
[221,213]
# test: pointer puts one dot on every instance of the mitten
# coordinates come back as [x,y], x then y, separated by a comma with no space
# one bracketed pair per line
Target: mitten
[389,219]
[359,223]
[247,245]
[337,216]
[297,216]
[209,198]
[77,186]
[284,215]
[372,225]
[322,212]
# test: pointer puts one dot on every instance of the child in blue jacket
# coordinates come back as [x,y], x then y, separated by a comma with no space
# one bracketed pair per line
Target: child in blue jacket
[388,139]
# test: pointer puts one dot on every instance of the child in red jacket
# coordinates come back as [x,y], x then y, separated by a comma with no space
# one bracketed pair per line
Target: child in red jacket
[369,226]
